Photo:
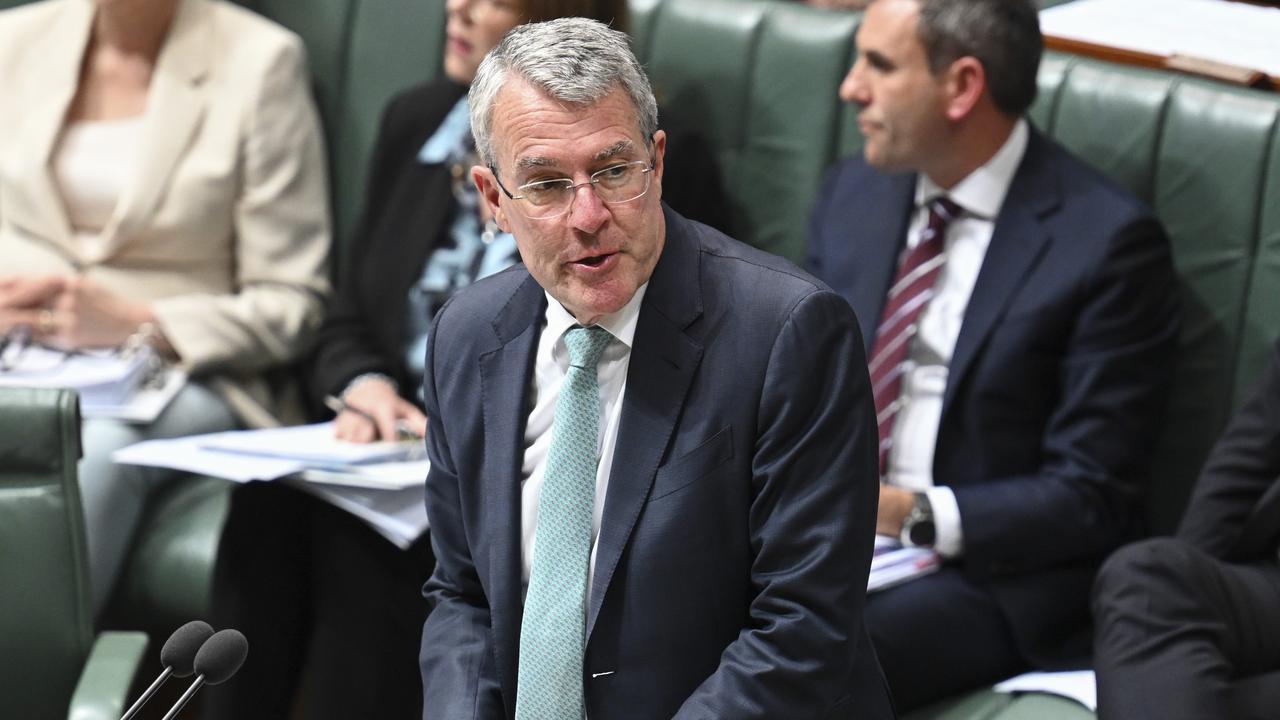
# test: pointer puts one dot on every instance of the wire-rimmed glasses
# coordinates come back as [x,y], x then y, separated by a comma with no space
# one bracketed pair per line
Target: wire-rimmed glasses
[548,199]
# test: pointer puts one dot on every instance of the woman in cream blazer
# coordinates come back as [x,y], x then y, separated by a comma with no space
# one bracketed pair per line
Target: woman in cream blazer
[215,233]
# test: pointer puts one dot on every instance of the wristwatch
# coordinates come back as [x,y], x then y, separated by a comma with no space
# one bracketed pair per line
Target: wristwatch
[918,528]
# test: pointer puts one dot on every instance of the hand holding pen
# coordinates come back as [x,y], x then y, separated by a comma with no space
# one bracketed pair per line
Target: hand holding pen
[371,411]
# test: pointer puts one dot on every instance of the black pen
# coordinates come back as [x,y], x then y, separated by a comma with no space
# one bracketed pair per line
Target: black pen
[339,406]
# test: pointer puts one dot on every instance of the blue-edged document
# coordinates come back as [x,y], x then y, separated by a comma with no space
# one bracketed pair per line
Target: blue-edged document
[380,483]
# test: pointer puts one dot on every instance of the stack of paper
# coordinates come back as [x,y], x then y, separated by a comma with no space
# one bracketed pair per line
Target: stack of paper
[380,483]
[135,387]
[893,564]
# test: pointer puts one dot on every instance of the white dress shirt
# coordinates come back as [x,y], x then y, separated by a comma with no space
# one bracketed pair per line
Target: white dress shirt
[915,434]
[550,366]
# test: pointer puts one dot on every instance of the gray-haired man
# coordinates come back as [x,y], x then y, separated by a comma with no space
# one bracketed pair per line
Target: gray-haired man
[652,487]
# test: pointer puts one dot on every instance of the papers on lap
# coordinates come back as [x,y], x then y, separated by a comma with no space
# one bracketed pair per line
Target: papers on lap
[892,564]
[313,445]
[378,482]
[134,388]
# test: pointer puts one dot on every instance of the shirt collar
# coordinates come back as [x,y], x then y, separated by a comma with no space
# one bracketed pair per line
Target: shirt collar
[621,324]
[982,192]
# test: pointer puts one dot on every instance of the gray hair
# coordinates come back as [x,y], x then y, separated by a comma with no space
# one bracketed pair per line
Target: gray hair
[574,60]
[1004,35]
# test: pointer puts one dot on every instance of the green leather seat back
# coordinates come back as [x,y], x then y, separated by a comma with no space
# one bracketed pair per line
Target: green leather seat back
[45,624]
[1209,175]
[392,44]
[1262,323]
[759,80]
[1197,152]
[361,52]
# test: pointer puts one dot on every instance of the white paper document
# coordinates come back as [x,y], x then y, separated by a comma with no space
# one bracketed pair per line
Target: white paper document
[134,387]
[313,445]
[1078,685]
[1235,33]
[400,516]
[388,496]
[892,564]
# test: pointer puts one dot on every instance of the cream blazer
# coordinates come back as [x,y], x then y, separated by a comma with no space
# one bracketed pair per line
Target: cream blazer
[224,226]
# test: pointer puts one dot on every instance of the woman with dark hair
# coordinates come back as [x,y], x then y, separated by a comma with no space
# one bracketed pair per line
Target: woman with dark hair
[318,593]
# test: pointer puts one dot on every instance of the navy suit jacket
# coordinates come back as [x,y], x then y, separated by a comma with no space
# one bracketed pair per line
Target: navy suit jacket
[1056,386]
[733,552]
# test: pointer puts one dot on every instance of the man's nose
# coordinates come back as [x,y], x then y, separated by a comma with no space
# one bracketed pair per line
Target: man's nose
[853,89]
[586,211]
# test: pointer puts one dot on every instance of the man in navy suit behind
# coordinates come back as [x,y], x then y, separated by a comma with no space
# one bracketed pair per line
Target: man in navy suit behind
[652,489]
[1020,322]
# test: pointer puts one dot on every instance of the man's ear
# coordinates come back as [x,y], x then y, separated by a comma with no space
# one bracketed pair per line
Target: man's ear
[487,185]
[965,84]
[659,153]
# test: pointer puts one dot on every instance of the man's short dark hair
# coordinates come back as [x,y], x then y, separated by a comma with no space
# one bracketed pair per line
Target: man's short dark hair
[1004,35]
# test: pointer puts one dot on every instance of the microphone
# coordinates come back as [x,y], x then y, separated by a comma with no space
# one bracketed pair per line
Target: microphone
[218,659]
[177,656]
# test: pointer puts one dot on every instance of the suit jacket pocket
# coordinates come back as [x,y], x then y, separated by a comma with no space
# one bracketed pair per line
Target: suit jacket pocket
[693,465]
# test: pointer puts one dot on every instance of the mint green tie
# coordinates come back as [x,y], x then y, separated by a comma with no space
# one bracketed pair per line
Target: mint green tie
[549,684]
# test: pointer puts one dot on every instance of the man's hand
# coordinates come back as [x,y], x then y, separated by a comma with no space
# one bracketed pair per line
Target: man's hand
[895,505]
[378,400]
[87,315]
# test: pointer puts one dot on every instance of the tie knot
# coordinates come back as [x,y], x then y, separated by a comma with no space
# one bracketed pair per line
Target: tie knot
[945,208]
[585,345]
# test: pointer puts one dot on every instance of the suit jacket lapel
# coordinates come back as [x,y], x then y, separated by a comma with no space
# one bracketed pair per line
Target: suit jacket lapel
[880,215]
[504,394]
[1017,243]
[175,106]
[663,362]
[47,98]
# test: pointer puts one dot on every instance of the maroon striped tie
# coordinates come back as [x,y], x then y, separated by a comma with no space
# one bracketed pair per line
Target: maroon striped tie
[908,296]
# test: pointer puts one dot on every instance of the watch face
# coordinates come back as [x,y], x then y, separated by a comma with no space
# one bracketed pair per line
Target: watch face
[923,533]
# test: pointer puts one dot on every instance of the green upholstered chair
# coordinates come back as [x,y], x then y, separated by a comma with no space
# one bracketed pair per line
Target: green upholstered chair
[51,665]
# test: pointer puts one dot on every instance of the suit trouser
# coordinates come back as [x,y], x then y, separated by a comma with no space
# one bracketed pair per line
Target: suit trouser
[326,603]
[1181,634]
[940,635]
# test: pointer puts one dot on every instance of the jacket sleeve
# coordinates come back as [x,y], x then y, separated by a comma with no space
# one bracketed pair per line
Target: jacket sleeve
[1243,468]
[281,225]
[1112,379]
[811,524]
[459,679]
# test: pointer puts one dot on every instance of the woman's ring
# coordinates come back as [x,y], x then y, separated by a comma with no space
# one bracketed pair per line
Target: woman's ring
[45,322]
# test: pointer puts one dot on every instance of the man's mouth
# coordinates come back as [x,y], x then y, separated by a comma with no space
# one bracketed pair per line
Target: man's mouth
[593,261]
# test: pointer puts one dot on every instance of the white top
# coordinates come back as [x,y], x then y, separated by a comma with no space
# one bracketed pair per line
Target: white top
[550,366]
[92,165]
[924,383]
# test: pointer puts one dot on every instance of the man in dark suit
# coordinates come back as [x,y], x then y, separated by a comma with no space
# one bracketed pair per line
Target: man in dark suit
[652,486]
[1024,323]
[1189,626]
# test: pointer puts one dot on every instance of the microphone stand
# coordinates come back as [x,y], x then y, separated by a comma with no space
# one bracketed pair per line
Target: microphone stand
[186,696]
[146,695]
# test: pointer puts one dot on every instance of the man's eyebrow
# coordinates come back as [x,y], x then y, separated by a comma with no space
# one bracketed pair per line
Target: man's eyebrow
[878,60]
[622,147]
[534,162]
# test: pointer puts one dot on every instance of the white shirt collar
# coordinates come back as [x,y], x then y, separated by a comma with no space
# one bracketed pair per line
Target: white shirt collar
[982,192]
[621,324]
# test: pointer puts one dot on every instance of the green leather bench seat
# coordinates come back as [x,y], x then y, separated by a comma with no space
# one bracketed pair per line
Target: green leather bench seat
[51,664]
